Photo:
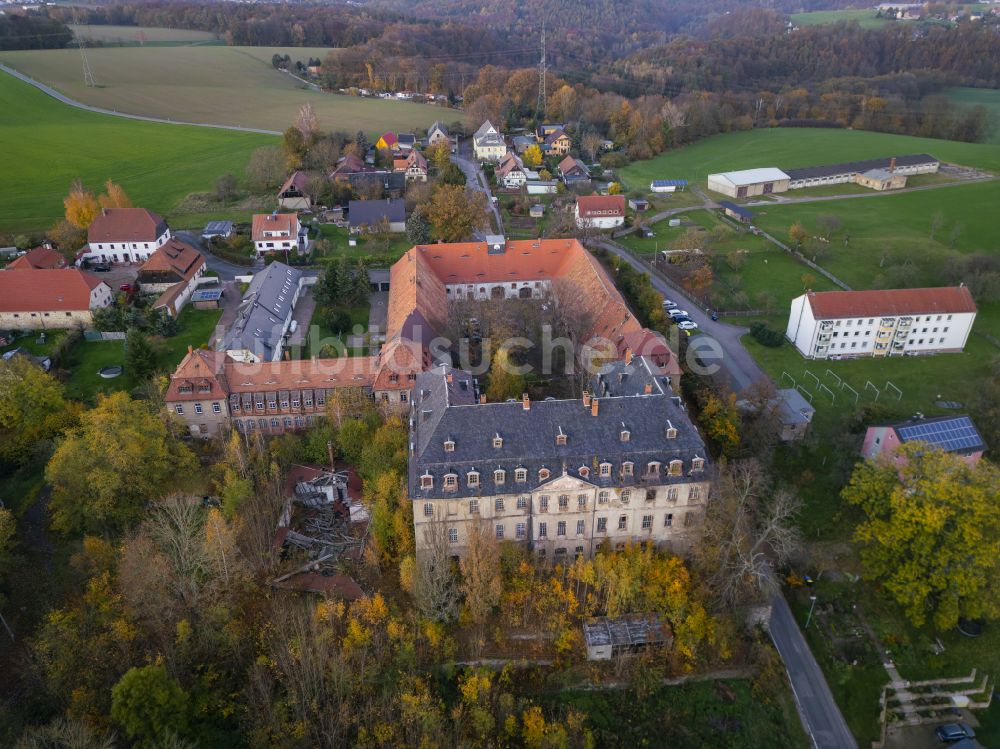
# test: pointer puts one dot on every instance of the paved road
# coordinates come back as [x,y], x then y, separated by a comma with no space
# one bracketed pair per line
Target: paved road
[477,181]
[99,110]
[736,363]
[227,271]
[817,708]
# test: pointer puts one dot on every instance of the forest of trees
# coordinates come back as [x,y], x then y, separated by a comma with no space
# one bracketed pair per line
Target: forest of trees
[32,31]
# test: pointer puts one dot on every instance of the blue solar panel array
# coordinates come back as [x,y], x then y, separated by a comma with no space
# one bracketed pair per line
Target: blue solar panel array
[670,183]
[952,435]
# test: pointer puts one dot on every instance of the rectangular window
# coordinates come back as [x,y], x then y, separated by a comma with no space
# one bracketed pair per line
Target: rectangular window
[647,522]
[602,498]
[581,501]
[563,501]
[197,408]
[668,520]
[216,408]
[581,527]
[543,530]
[179,409]
[498,504]
[473,506]
[295,403]
[428,510]
[672,494]
[651,495]
[499,531]
[522,502]
[626,495]
[602,525]
[694,493]
[543,503]
[453,535]
[520,530]
[622,522]
[561,528]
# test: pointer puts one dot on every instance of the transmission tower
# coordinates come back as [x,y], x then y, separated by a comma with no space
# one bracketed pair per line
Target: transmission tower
[88,74]
[541,79]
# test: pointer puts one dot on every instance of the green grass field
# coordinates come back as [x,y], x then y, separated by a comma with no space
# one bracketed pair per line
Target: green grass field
[866,18]
[55,144]
[214,84]
[788,148]
[981,97]
[144,35]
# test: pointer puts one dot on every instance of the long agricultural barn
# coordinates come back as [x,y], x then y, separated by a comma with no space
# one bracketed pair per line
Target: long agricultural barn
[667,185]
[749,182]
[836,174]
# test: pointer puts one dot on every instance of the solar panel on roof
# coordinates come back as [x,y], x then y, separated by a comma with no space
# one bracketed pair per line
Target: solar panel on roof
[952,435]
[670,182]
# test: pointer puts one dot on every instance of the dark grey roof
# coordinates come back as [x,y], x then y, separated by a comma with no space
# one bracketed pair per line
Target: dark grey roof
[738,210]
[370,212]
[487,135]
[267,304]
[620,379]
[948,433]
[390,181]
[218,227]
[793,407]
[854,167]
[441,413]
[625,631]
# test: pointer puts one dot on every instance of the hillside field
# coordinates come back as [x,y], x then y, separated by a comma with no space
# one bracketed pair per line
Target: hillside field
[143,35]
[789,148]
[866,18]
[55,144]
[214,84]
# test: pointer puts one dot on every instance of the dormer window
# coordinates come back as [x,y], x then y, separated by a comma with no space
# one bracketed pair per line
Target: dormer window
[628,468]
[472,478]
[426,481]
[561,438]
[521,475]
[185,389]
[625,435]
[584,472]
[497,441]
[652,468]
[676,468]
[543,474]
[499,476]
[450,482]
[449,446]
[697,465]
[671,431]
[605,469]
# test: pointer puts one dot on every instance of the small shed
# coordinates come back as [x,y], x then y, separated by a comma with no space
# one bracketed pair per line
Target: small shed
[220,229]
[607,637]
[737,212]
[537,210]
[206,298]
[638,204]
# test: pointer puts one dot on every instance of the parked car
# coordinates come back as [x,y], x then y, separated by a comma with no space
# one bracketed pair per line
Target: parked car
[99,267]
[950,733]
[126,287]
[715,316]
[294,326]
[687,325]
[669,304]
[677,312]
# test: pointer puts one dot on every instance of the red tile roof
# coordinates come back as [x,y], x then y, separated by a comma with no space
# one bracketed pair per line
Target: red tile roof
[40,257]
[946,299]
[592,206]
[126,225]
[46,290]
[176,256]
[389,138]
[286,223]
[298,180]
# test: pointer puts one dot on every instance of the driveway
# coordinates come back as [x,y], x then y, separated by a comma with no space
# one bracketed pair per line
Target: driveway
[819,712]
[303,316]
[227,271]
[735,362]
[476,179]
[230,305]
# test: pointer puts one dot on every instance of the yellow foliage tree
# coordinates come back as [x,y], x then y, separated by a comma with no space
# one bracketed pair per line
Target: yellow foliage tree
[81,206]
[114,196]
[532,156]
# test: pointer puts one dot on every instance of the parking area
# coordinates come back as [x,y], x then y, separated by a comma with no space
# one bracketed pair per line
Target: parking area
[922,737]
[119,274]
[302,316]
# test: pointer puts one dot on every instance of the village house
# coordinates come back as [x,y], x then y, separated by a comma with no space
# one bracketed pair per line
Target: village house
[218,230]
[573,171]
[277,232]
[348,165]
[599,211]
[42,257]
[124,235]
[172,272]
[414,167]
[558,477]
[387,142]
[510,173]
[557,143]
[547,129]
[44,298]
[952,434]
[406,142]
[438,133]
[488,144]
[886,322]
[365,215]
[294,194]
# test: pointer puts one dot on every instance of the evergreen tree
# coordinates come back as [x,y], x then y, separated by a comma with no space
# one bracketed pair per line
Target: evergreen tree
[418,231]
[140,360]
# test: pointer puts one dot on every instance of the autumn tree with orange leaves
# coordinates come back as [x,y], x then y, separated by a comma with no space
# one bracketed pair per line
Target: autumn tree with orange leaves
[81,206]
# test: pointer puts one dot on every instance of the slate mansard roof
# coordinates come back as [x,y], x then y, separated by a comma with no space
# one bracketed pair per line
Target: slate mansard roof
[444,410]
[259,323]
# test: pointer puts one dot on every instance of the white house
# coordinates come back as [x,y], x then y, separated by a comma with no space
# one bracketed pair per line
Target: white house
[275,232]
[125,235]
[488,144]
[511,173]
[894,322]
[600,211]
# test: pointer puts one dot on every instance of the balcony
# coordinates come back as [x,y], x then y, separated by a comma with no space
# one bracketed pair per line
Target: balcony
[827,325]
[823,338]
[887,322]
[905,323]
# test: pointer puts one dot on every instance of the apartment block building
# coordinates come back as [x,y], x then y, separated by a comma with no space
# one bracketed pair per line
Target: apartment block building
[891,322]
[558,476]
